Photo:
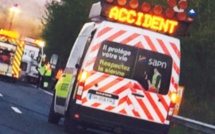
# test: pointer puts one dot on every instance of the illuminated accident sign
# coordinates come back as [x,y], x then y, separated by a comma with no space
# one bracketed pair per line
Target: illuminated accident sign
[141,19]
[166,20]
[143,14]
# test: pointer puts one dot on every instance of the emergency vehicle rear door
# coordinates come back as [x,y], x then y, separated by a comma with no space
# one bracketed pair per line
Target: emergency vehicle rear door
[111,60]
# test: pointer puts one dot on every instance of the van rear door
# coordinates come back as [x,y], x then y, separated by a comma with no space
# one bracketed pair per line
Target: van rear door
[121,62]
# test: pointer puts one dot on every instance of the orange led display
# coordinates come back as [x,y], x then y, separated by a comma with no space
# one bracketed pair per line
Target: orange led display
[144,20]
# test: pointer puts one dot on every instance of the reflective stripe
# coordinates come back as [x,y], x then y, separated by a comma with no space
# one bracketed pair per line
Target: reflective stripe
[45,84]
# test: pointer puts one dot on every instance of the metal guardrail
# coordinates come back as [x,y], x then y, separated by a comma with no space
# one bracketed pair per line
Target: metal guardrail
[193,124]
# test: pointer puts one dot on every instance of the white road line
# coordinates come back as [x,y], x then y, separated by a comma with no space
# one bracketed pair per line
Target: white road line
[1,95]
[15,109]
[48,92]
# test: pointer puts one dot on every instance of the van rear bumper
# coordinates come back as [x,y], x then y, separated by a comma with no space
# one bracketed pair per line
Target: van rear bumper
[114,122]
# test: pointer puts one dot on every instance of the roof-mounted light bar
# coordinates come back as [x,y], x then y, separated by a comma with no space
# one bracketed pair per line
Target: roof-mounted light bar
[9,33]
[178,7]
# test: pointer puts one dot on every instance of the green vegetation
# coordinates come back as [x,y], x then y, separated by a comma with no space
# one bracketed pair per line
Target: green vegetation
[62,25]
[64,21]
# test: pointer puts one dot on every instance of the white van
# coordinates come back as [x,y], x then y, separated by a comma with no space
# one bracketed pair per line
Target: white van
[119,77]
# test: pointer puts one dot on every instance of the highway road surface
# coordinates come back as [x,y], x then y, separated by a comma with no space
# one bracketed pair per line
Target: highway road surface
[24,110]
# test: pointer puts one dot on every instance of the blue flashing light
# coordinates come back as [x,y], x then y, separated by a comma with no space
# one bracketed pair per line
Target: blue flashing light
[192,12]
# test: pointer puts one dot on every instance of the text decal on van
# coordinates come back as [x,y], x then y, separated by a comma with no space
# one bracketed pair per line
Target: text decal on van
[115,60]
[151,69]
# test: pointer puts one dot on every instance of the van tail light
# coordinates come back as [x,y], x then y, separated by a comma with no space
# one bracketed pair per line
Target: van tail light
[82,77]
[174,97]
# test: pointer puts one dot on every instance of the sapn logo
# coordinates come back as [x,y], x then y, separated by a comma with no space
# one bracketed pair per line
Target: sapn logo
[157,63]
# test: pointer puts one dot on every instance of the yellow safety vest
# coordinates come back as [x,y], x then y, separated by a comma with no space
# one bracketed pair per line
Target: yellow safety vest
[48,71]
[42,70]
[155,82]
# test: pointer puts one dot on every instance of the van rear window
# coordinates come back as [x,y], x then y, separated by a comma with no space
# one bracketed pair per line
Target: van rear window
[151,69]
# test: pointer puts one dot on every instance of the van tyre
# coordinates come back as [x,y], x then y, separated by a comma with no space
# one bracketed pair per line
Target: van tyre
[70,124]
[53,118]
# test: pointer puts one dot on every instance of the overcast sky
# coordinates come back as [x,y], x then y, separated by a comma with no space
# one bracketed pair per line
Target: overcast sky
[31,8]
[28,21]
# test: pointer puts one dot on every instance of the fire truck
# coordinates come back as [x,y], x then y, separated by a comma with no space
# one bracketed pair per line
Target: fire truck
[11,51]
[123,71]
[31,59]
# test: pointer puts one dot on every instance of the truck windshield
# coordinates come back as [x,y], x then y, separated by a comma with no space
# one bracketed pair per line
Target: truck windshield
[31,50]
[4,56]
[151,69]
[7,52]
[23,66]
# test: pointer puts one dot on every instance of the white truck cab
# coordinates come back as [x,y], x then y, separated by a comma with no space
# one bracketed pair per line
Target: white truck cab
[29,71]
[30,62]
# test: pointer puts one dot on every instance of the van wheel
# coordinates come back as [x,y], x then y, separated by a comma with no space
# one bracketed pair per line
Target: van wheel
[70,124]
[53,117]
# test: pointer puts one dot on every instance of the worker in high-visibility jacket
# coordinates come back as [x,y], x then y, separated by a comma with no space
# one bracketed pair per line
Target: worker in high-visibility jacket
[57,77]
[47,75]
[41,71]
[155,84]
